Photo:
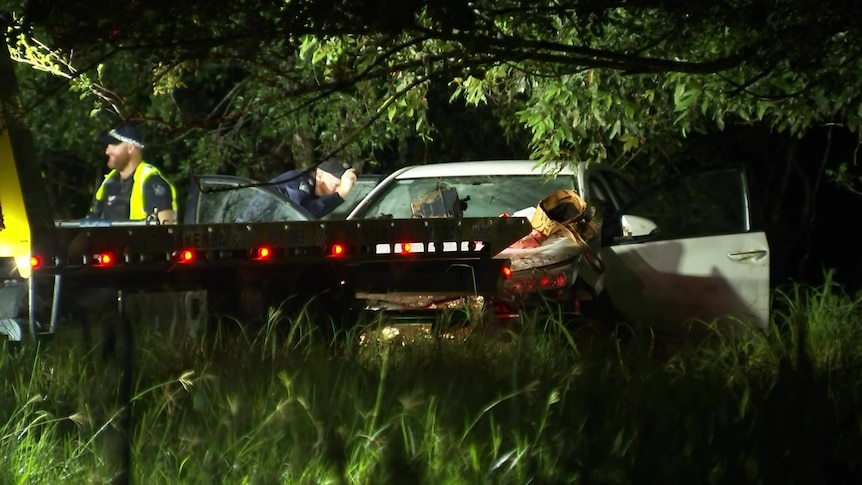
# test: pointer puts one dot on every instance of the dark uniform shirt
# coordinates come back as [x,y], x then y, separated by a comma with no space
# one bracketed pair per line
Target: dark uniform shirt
[118,193]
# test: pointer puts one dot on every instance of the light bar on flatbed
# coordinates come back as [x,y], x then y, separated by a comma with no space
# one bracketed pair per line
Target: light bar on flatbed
[84,243]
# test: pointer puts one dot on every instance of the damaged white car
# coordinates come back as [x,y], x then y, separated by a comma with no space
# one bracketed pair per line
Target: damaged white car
[684,251]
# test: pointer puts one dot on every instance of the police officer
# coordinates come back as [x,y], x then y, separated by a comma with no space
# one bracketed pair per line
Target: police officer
[133,190]
[320,191]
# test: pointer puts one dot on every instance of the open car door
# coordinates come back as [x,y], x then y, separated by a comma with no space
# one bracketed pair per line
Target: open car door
[686,252]
[224,198]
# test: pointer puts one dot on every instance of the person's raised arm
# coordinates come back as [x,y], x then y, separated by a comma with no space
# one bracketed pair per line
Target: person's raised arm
[348,180]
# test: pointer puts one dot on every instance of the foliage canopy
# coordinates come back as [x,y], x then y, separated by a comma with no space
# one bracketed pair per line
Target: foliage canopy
[261,83]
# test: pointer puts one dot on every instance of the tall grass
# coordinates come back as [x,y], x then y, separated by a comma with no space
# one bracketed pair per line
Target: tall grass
[282,404]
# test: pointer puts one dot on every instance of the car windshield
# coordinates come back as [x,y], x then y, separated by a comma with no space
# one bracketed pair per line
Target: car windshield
[489,195]
[363,186]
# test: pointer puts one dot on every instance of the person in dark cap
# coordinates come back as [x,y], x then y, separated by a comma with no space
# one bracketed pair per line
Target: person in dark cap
[321,190]
[133,190]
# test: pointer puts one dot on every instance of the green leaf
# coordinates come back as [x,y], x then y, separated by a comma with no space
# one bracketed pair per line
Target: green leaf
[762,107]
[630,142]
[576,118]
[678,94]
[684,99]
[308,45]
[538,131]
[615,130]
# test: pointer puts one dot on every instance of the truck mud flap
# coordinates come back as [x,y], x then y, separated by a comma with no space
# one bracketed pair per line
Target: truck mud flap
[12,295]
[12,305]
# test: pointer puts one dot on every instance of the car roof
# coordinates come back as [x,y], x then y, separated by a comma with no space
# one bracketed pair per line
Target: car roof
[473,168]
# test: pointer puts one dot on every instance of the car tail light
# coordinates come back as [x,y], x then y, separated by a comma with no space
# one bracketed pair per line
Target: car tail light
[525,282]
[507,272]
[524,285]
[553,280]
[35,262]
[560,280]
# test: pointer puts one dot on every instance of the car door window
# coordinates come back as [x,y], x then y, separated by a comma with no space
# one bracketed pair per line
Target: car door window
[599,198]
[598,192]
[705,204]
[623,189]
[229,201]
[260,205]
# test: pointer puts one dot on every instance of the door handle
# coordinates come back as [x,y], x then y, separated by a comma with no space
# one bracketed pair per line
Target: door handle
[756,255]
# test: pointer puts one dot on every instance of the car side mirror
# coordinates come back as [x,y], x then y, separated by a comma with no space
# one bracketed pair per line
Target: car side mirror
[636,226]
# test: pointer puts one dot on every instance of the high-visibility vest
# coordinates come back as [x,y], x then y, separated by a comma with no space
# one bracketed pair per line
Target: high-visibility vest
[137,211]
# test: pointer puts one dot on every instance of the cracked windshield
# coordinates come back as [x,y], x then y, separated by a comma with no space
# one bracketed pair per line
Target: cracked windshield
[489,196]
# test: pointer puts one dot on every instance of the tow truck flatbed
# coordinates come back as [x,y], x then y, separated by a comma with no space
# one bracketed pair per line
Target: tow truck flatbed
[374,255]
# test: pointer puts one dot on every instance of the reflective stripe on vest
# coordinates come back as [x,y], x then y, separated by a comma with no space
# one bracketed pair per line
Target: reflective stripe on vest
[136,204]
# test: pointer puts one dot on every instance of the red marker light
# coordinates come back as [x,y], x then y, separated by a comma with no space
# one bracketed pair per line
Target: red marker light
[560,280]
[187,256]
[337,250]
[35,262]
[545,281]
[263,253]
[105,259]
[507,272]
[405,247]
